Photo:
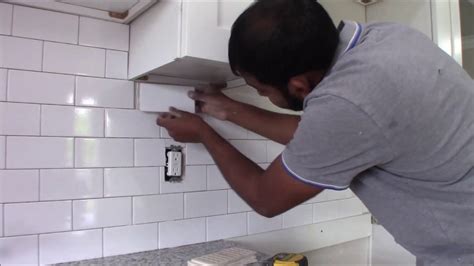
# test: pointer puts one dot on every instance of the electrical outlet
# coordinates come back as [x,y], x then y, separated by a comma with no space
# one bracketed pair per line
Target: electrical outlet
[174,164]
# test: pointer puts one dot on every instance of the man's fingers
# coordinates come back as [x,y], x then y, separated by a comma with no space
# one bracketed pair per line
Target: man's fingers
[177,113]
[195,95]
[202,96]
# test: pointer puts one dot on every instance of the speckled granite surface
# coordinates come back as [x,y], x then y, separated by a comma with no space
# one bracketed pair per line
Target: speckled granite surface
[171,256]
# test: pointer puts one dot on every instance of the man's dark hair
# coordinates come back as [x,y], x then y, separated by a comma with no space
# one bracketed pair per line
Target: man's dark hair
[274,40]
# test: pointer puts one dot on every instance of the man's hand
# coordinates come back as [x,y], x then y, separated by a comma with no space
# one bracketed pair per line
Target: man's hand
[183,126]
[215,104]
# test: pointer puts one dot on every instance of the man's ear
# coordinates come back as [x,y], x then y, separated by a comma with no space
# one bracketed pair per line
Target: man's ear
[299,86]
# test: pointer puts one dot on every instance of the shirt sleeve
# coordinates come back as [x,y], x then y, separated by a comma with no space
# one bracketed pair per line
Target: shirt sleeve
[334,142]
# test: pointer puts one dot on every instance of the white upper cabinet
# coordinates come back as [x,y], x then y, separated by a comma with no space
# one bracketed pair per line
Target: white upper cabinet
[120,11]
[184,39]
[413,13]
[344,10]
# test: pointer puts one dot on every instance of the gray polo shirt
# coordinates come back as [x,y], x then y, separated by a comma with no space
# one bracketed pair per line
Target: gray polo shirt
[394,121]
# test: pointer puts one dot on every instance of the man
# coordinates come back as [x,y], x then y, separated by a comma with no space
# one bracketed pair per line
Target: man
[386,113]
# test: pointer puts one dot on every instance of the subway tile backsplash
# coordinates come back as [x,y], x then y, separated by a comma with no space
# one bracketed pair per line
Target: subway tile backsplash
[82,169]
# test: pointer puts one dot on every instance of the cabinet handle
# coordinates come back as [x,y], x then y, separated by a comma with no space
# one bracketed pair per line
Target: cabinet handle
[367,2]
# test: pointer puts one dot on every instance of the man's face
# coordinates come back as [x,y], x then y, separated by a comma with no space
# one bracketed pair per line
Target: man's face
[276,96]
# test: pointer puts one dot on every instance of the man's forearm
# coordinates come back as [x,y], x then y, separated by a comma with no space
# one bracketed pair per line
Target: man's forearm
[275,126]
[241,173]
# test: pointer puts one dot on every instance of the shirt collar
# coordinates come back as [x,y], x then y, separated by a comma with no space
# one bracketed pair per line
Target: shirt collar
[350,33]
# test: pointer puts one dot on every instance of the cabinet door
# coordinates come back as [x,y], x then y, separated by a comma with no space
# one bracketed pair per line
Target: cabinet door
[344,10]
[207,25]
[413,13]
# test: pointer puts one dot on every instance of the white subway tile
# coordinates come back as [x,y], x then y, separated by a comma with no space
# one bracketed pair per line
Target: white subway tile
[19,119]
[37,87]
[236,203]
[104,34]
[298,216]
[199,204]
[326,211]
[19,250]
[38,217]
[255,150]
[45,25]
[96,213]
[130,239]
[226,226]
[321,197]
[6,12]
[3,84]
[157,208]
[226,129]
[337,195]
[14,53]
[215,179]
[2,152]
[149,152]
[194,179]
[70,246]
[351,207]
[274,150]
[19,185]
[131,181]
[131,123]
[184,232]
[260,224]
[61,184]
[197,154]
[159,98]
[73,59]
[104,92]
[116,65]
[104,152]
[29,152]
[72,121]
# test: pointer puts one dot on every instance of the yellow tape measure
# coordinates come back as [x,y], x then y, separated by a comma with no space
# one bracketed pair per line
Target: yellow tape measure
[288,259]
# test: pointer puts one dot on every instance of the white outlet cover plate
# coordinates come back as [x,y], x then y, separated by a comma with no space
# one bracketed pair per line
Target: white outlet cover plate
[160,97]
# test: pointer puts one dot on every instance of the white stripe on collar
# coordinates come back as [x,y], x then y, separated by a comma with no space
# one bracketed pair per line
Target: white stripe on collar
[355,38]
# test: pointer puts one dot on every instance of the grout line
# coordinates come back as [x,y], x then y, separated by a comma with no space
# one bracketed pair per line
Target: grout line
[65,74]
[111,197]
[72,105]
[65,43]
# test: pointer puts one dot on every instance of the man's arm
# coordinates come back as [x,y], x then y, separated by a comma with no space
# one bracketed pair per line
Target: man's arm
[275,126]
[270,192]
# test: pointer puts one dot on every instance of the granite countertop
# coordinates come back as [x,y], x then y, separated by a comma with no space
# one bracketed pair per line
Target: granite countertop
[170,256]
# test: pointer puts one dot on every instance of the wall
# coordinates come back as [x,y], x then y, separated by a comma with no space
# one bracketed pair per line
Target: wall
[467,27]
[82,170]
